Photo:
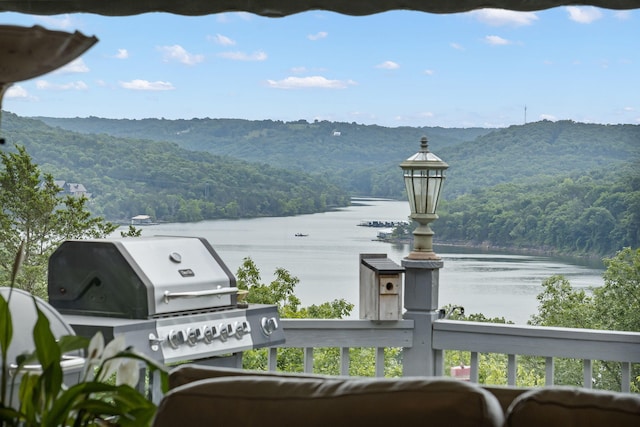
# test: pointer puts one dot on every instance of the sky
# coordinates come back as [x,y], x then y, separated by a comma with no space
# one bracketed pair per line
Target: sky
[486,68]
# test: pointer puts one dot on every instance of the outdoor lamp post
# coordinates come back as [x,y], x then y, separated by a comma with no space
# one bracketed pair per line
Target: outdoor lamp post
[423,178]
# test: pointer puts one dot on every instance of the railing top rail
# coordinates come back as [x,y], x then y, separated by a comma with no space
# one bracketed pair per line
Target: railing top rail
[537,341]
[347,333]
[345,324]
[537,331]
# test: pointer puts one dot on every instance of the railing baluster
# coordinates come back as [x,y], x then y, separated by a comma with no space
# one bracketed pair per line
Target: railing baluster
[308,360]
[626,377]
[549,371]
[439,361]
[588,373]
[345,360]
[379,361]
[511,369]
[272,359]
[474,376]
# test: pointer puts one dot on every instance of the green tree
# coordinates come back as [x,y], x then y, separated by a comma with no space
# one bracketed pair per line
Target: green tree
[33,212]
[562,305]
[617,303]
[613,306]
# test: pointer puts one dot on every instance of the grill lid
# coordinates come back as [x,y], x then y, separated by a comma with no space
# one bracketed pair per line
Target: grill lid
[138,278]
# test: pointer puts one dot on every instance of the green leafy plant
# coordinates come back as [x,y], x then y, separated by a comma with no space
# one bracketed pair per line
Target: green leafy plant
[97,399]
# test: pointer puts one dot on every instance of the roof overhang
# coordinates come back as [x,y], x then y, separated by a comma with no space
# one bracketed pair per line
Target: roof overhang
[279,8]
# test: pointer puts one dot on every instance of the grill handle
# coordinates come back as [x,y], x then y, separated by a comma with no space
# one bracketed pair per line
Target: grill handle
[68,363]
[168,296]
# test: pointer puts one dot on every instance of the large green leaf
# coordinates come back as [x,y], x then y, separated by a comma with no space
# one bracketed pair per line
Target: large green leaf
[6,334]
[49,356]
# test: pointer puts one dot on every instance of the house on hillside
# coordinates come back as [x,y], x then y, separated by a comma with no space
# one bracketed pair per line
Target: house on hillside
[72,189]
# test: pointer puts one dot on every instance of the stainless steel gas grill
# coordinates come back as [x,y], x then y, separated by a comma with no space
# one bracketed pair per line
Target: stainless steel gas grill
[173,298]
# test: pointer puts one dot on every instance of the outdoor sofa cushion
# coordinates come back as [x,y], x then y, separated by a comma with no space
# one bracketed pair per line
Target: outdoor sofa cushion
[573,406]
[293,400]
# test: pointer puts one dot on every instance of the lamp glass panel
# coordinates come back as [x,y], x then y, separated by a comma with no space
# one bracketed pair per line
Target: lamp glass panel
[423,189]
[409,184]
[433,193]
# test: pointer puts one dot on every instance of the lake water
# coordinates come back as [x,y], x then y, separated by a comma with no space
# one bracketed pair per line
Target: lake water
[327,260]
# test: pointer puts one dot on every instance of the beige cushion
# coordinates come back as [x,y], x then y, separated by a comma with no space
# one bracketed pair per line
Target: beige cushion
[505,394]
[569,406]
[282,401]
[189,373]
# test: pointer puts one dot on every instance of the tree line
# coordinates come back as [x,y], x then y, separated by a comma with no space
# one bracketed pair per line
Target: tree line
[588,214]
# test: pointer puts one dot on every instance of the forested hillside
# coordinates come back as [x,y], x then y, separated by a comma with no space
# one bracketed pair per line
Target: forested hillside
[127,177]
[360,158]
[558,186]
[364,159]
[596,213]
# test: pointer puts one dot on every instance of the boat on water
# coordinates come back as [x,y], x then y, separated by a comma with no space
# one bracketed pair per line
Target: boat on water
[301,235]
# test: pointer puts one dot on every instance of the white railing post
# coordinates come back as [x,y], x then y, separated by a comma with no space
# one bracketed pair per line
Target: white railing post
[421,304]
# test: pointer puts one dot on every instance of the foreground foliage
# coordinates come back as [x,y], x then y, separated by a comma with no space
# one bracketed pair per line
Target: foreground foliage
[96,399]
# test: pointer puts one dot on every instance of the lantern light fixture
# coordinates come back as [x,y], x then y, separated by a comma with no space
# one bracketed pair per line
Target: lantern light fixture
[423,178]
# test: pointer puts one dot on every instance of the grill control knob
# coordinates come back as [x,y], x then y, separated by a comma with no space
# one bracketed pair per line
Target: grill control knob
[208,334]
[268,325]
[239,327]
[224,333]
[192,336]
[175,338]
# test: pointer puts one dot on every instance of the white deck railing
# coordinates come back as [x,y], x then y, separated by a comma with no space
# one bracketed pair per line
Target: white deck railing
[474,337]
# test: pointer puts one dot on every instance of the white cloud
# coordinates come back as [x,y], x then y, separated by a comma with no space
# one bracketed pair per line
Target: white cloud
[309,82]
[456,46]
[60,21]
[496,40]
[227,17]
[388,65]
[45,85]
[122,54]
[147,85]
[583,15]
[179,54]
[500,17]
[622,15]
[241,56]
[548,117]
[75,66]
[629,109]
[16,91]
[222,40]
[318,36]
[429,72]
